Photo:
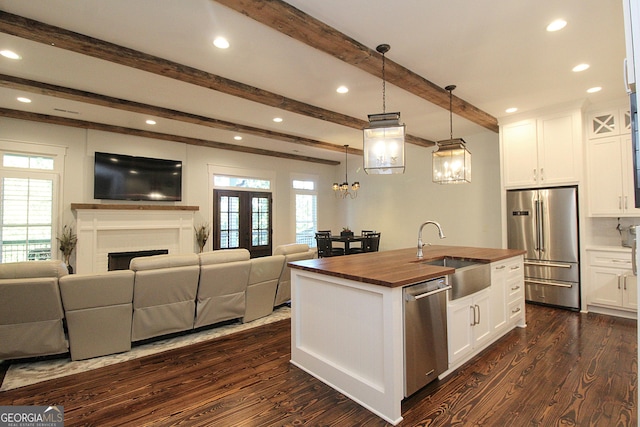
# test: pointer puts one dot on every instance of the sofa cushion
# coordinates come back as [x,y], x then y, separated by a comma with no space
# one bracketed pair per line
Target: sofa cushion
[224,255]
[29,300]
[31,269]
[291,248]
[156,262]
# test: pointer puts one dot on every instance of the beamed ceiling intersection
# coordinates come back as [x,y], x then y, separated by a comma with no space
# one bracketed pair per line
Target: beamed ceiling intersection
[275,14]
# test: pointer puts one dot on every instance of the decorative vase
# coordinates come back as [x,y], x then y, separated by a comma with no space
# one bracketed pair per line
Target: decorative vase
[346,234]
[69,267]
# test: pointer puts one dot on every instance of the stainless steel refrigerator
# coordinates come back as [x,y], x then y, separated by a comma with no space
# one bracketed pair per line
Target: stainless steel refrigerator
[544,222]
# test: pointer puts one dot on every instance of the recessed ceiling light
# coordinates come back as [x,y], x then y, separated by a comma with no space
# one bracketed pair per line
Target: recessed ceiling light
[221,43]
[594,89]
[556,25]
[10,54]
[342,89]
[277,119]
[23,99]
[151,122]
[511,110]
[580,67]
[237,138]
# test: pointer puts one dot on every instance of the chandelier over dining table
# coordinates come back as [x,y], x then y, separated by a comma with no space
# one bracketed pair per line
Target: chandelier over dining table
[341,191]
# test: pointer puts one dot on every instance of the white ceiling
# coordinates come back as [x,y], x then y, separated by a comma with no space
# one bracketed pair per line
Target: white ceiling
[497,53]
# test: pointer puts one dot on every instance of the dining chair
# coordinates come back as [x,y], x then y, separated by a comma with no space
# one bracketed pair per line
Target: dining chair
[365,232]
[372,242]
[325,248]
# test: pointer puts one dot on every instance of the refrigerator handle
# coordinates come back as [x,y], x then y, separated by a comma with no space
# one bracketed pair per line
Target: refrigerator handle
[634,265]
[538,220]
[541,225]
[537,225]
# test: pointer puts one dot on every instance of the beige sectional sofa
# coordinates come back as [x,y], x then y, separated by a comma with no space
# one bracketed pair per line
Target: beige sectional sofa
[31,310]
[291,252]
[98,310]
[164,294]
[223,284]
[158,295]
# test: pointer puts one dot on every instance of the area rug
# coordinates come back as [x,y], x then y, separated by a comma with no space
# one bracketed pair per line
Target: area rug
[21,374]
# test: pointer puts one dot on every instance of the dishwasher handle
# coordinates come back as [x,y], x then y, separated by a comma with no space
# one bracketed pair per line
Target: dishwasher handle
[427,294]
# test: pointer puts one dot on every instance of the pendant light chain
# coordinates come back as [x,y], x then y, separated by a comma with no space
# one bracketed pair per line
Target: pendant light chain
[384,87]
[346,180]
[451,114]
[450,88]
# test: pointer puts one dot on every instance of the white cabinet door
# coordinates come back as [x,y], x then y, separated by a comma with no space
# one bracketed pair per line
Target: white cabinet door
[612,283]
[628,194]
[558,148]
[542,151]
[630,291]
[611,186]
[498,308]
[482,328]
[605,176]
[468,325]
[606,286]
[520,153]
[459,332]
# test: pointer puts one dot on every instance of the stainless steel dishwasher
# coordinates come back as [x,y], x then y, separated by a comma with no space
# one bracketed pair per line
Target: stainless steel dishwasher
[425,333]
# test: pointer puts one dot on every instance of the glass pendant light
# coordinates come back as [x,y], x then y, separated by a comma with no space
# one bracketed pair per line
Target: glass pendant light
[384,138]
[451,159]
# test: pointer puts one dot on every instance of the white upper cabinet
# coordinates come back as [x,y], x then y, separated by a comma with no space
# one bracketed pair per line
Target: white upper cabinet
[608,123]
[610,165]
[543,151]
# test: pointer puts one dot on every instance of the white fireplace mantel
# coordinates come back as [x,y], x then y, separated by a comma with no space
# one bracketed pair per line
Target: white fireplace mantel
[103,229]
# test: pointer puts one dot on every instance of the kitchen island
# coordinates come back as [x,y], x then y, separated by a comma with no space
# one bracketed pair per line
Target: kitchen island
[347,317]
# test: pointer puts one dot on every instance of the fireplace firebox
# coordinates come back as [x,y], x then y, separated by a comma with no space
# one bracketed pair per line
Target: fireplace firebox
[121,260]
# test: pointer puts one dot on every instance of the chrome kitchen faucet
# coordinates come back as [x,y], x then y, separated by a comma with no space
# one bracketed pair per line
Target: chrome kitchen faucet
[420,244]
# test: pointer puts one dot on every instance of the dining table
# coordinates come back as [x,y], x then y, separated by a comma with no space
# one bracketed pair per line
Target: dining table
[347,240]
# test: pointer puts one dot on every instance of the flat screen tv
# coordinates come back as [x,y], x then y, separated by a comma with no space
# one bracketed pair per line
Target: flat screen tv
[121,177]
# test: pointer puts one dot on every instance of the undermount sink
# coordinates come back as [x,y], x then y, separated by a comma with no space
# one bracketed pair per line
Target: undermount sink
[469,277]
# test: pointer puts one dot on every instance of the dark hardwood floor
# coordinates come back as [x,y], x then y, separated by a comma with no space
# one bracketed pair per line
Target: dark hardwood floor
[565,368]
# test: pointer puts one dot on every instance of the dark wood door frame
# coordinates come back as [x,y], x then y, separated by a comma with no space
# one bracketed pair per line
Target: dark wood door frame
[251,225]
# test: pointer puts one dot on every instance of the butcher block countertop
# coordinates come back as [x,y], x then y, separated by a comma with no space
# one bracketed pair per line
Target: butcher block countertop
[400,267]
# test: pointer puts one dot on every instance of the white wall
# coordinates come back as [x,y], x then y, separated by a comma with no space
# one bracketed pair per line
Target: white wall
[394,205]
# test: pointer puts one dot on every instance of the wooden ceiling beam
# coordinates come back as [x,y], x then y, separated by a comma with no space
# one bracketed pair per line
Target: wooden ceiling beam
[288,20]
[137,107]
[40,32]
[63,121]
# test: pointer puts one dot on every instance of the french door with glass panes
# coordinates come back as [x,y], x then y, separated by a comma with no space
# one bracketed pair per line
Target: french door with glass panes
[242,219]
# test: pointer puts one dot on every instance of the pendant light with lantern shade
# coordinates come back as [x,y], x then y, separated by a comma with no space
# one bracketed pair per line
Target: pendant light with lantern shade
[451,159]
[384,137]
